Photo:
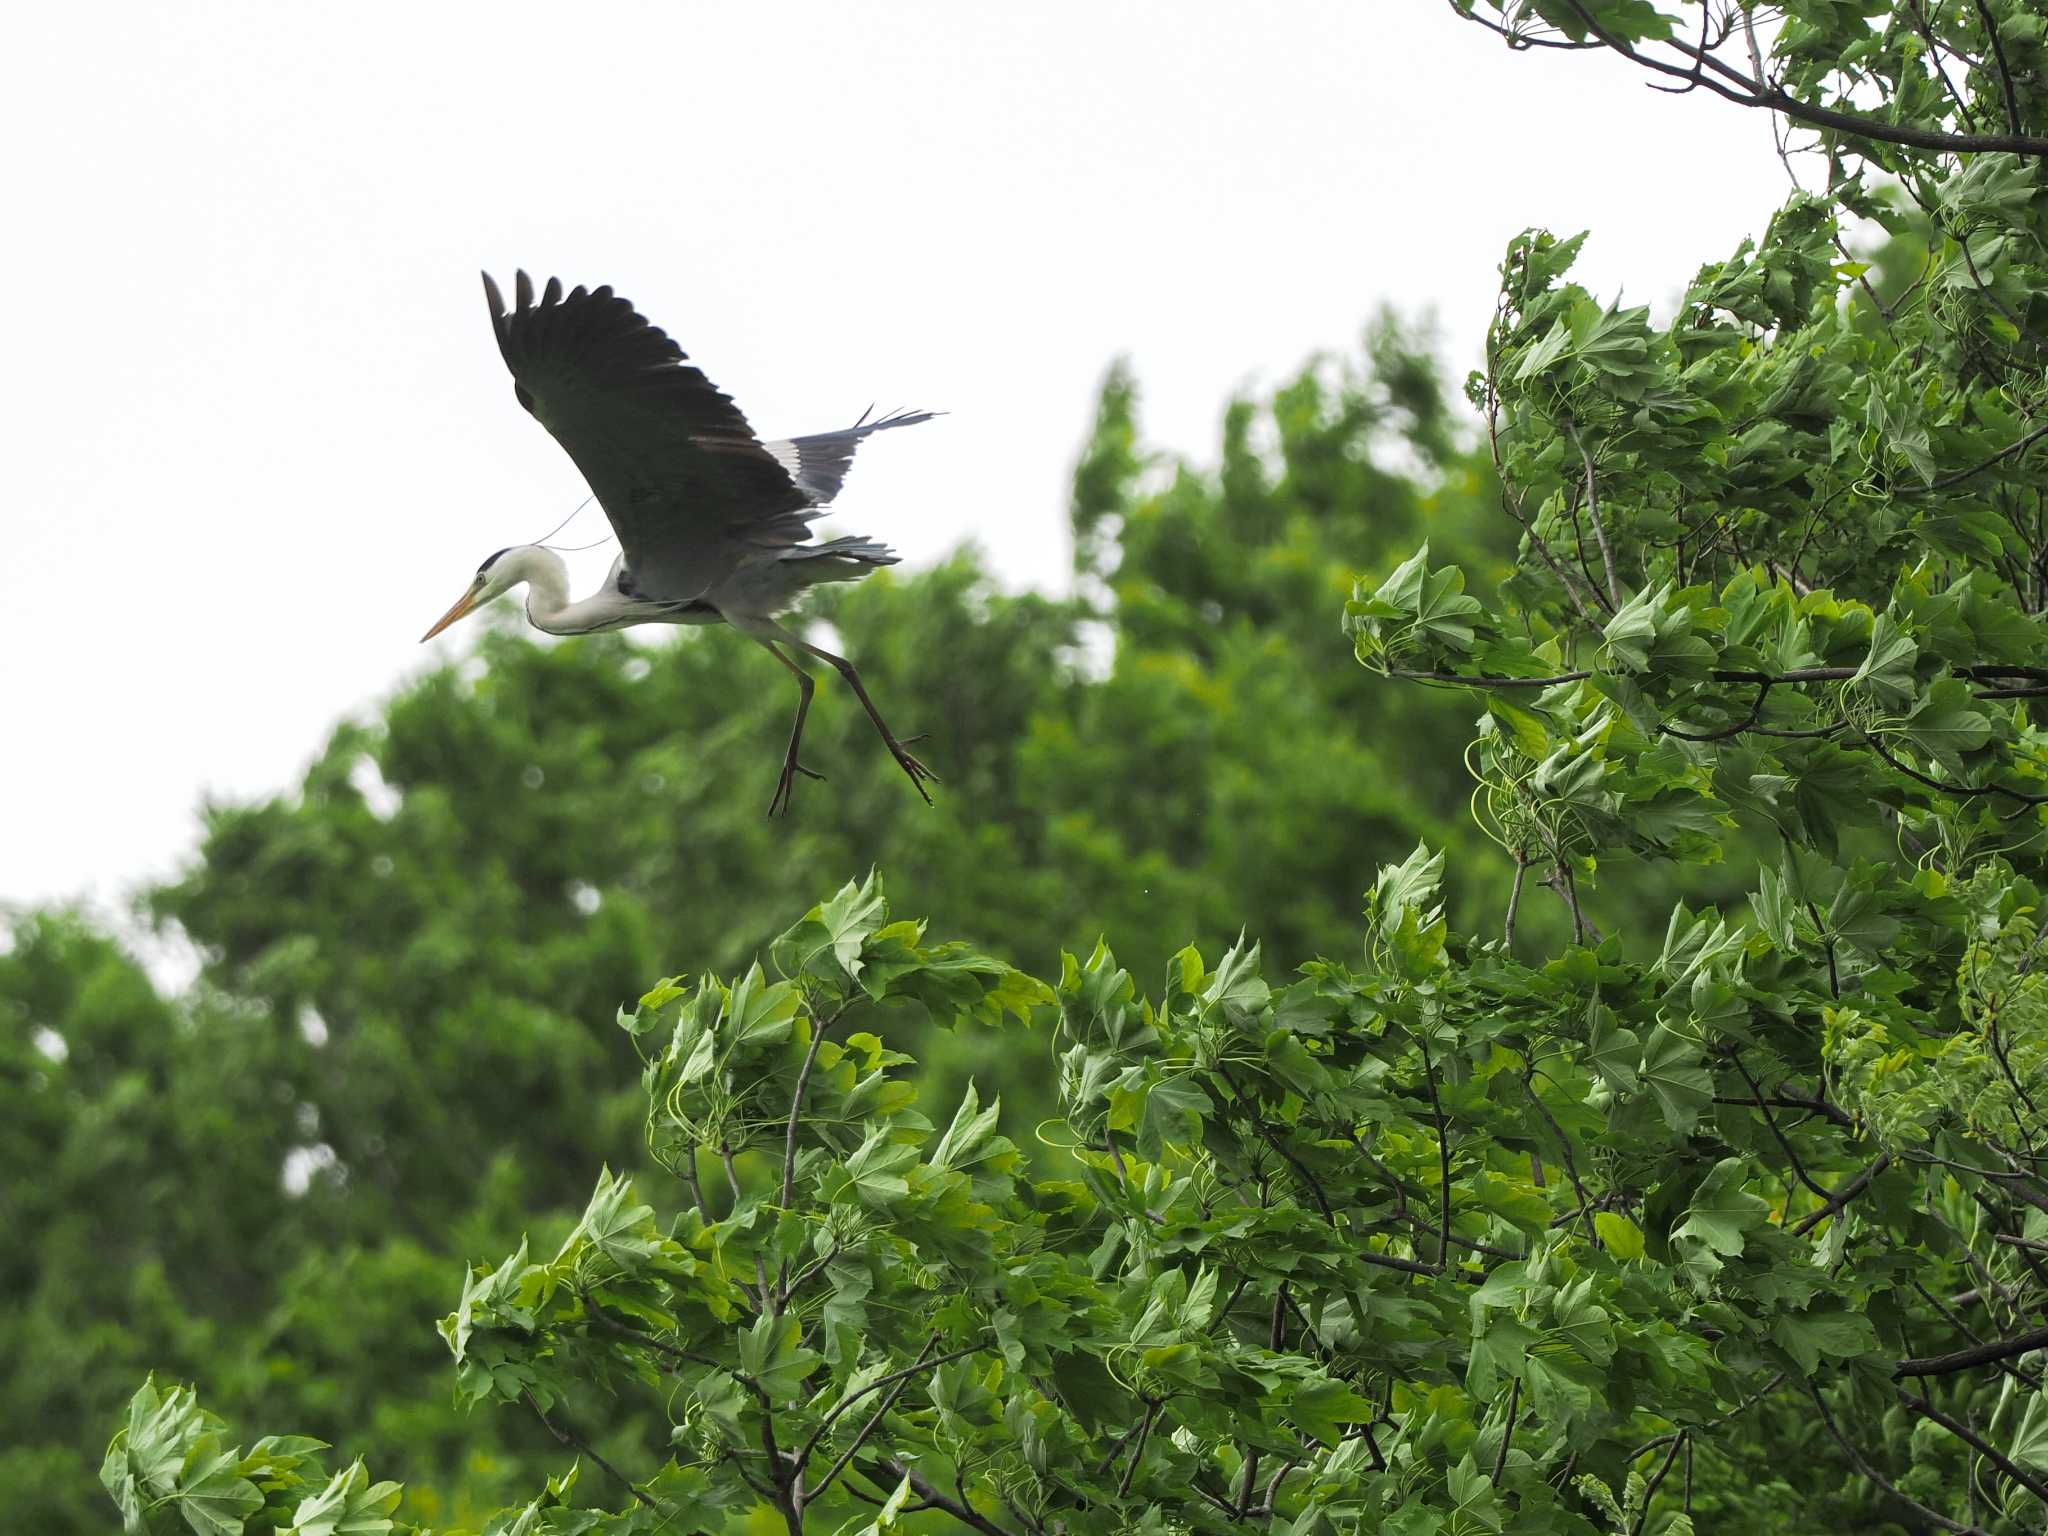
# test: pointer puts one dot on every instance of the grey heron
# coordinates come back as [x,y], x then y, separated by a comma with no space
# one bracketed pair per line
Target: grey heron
[713,524]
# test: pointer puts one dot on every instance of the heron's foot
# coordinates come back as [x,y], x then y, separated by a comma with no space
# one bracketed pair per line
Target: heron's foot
[918,774]
[779,806]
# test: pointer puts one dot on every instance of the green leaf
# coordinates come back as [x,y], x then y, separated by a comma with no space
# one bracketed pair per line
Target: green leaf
[773,1354]
[1672,1072]
[1622,1237]
[1320,1409]
[1947,724]
[622,1230]
[1722,1212]
[213,1495]
[1808,1336]
[1613,1052]
[1887,668]
[1174,1107]
[972,1126]
[760,1014]
[834,932]
[350,1505]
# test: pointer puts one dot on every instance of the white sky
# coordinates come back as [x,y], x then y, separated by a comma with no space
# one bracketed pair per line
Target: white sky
[257,435]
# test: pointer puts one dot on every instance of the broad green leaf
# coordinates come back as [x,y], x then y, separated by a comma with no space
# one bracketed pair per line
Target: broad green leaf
[1722,1212]
[1811,1335]
[350,1505]
[1622,1237]
[1672,1072]
[1321,1409]
[213,1495]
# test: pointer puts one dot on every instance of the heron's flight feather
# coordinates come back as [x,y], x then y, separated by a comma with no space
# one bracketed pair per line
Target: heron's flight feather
[687,486]
[818,463]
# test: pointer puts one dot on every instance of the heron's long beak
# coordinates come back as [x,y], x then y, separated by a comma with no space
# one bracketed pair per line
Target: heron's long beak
[462,605]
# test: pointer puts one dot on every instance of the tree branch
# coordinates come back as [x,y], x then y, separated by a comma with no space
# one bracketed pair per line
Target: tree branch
[894,1378]
[1934,1517]
[1844,1195]
[966,1514]
[1443,1160]
[1750,92]
[1984,1448]
[798,1494]
[1593,512]
[581,1447]
[1677,1444]
[1970,1359]
[1507,1434]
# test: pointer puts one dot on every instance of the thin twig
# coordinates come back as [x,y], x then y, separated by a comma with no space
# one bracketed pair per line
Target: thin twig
[2012,103]
[581,1447]
[1983,1447]
[800,1495]
[1970,1359]
[1798,1168]
[965,1513]
[894,1378]
[1123,1486]
[1443,1160]
[796,1105]
[1593,513]
[1507,1435]
[1571,1167]
[1844,1195]
[1856,1459]
[1677,1443]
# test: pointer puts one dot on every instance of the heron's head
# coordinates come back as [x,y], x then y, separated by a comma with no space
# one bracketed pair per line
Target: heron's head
[499,574]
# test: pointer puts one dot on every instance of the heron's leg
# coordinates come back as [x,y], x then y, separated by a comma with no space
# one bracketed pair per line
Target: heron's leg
[918,774]
[806,686]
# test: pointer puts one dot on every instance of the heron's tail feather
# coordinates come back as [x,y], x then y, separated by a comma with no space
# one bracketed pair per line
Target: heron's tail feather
[846,559]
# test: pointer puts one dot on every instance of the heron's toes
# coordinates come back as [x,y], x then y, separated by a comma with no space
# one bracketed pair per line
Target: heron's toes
[918,774]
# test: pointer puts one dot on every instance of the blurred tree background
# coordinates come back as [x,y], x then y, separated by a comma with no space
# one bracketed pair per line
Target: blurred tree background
[271,1183]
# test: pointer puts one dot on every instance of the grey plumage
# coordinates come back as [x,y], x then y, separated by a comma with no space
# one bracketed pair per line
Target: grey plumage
[714,525]
[818,462]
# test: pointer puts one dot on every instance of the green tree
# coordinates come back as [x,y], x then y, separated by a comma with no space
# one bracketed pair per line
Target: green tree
[1575,1220]
[118,1106]
[412,961]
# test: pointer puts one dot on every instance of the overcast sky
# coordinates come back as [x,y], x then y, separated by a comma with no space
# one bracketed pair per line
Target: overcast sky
[257,435]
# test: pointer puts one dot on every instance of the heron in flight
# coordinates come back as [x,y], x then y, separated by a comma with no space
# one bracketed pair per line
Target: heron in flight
[714,525]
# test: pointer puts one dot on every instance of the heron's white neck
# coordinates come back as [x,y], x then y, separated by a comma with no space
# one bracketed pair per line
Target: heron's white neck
[547,591]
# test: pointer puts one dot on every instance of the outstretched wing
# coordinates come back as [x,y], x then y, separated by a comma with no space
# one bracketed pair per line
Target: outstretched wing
[689,489]
[818,463]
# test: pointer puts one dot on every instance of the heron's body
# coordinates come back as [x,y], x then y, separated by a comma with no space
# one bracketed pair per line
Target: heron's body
[713,525]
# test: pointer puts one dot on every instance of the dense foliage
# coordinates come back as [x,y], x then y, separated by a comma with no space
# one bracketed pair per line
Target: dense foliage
[414,960]
[1671,1156]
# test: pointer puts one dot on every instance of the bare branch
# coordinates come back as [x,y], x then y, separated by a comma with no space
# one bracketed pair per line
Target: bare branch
[1844,1195]
[1593,513]
[965,1513]
[1932,1516]
[581,1447]
[1970,1359]
[1983,1447]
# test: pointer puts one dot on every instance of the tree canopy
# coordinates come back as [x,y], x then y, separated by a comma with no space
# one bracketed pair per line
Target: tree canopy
[1657,1148]
[413,960]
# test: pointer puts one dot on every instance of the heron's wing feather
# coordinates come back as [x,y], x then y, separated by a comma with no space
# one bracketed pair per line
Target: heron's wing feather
[688,488]
[818,463]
